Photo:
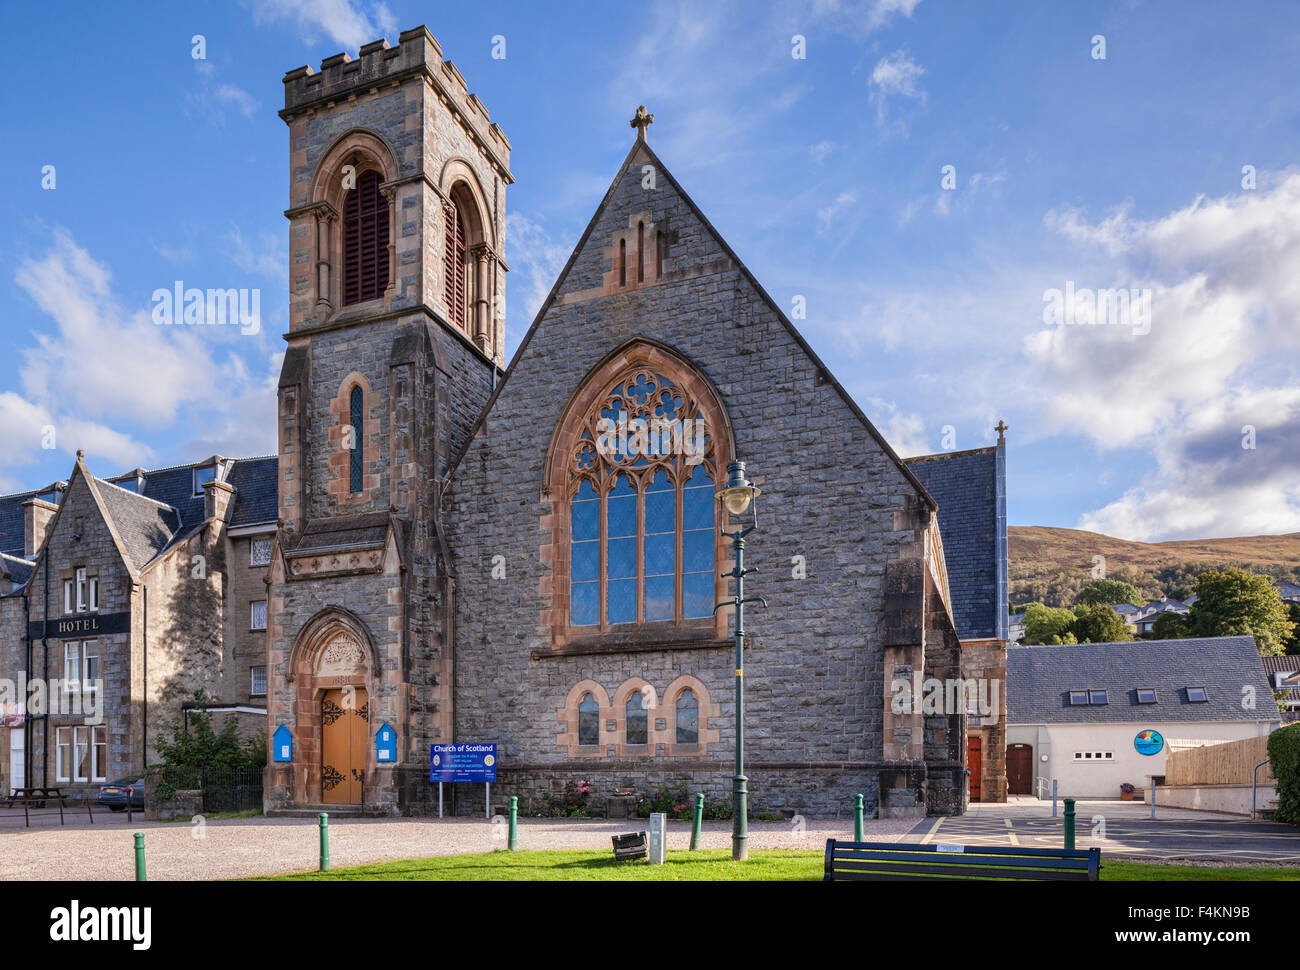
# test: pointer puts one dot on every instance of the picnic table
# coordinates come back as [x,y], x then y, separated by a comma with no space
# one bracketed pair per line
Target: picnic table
[36,796]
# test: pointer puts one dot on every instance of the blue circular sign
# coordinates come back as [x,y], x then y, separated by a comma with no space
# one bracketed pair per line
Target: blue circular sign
[1149,742]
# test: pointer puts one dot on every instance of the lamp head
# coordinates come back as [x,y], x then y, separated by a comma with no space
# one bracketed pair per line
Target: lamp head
[739,492]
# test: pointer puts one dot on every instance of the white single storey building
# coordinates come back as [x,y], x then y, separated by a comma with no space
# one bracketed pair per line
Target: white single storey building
[1096,716]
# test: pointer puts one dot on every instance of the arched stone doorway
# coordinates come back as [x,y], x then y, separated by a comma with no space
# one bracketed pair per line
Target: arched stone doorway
[333,671]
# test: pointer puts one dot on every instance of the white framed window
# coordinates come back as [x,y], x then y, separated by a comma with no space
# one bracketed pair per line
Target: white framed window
[92,594]
[81,754]
[63,754]
[99,754]
[89,665]
[71,667]
[81,590]
[69,597]
[257,615]
[259,551]
[257,681]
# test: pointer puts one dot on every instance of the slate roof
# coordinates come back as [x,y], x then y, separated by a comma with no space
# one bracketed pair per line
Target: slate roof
[18,568]
[166,511]
[257,498]
[1039,680]
[146,527]
[970,487]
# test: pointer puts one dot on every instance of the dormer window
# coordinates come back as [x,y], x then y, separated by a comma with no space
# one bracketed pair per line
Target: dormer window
[202,475]
[1146,695]
[1197,695]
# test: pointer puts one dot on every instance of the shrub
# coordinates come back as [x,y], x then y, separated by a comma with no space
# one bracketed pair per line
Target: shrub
[1284,753]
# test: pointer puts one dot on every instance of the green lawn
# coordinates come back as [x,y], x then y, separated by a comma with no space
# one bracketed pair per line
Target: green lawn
[768,865]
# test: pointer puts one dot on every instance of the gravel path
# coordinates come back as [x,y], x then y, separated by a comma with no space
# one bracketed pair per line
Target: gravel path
[261,846]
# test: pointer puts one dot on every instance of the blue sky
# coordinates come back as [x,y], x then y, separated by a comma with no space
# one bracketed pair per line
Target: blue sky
[826,173]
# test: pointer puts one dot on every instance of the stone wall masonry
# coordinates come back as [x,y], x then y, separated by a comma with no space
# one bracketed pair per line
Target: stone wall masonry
[830,494]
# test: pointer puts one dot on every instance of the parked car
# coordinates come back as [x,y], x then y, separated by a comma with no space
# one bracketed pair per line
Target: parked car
[115,794]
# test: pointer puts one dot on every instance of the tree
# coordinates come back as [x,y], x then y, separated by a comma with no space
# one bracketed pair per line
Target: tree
[1099,624]
[1170,626]
[1106,591]
[1293,614]
[1046,624]
[198,746]
[1234,602]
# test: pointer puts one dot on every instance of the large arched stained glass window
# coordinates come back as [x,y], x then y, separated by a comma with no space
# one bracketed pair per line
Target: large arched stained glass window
[638,720]
[688,718]
[642,517]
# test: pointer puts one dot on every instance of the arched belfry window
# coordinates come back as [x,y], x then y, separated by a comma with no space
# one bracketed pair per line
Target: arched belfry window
[640,480]
[365,240]
[455,265]
[356,416]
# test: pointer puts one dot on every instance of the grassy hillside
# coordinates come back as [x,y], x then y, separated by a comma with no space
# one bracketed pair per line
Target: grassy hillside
[1051,565]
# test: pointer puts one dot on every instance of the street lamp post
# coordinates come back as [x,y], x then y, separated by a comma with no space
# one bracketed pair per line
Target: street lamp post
[736,498]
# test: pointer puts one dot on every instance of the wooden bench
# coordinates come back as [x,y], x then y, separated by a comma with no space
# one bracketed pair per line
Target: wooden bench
[893,861]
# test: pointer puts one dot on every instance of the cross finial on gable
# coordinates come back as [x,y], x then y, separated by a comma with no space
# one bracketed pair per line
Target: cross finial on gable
[1001,429]
[641,121]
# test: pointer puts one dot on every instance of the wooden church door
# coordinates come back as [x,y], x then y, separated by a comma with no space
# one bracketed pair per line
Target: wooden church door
[345,732]
[975,765]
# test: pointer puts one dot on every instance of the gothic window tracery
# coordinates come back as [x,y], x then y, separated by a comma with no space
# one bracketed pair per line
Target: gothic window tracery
[641,503]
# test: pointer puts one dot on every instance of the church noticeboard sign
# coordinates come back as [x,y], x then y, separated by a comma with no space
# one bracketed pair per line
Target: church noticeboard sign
[282,744]
[79,626]
[385,743]
[463,762]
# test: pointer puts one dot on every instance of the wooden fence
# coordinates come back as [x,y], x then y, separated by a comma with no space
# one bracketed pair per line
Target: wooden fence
[1228,763]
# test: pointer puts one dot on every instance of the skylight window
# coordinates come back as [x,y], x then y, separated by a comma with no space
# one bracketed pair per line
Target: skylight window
[1097,697]
[1146,695]
[1078,698]
[1196,695]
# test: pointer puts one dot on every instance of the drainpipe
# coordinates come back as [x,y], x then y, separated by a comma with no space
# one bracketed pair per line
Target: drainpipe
[45,651]
[144,699]
[27,671]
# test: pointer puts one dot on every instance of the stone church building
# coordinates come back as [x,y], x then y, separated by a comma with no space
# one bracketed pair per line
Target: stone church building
[531,555]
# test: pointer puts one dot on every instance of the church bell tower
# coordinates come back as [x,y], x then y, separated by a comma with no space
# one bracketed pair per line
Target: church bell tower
[396,340]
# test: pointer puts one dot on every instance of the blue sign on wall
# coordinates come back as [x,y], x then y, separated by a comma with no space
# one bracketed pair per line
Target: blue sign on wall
[385,743]
[282,744]
[1149,742]
[462,762]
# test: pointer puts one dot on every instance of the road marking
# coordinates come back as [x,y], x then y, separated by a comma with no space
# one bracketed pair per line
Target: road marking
[930,834]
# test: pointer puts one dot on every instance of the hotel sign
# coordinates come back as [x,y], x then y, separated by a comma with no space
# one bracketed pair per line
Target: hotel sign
[82,625]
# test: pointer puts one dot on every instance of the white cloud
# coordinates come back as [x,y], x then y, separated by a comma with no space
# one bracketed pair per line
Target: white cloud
[904,430]
[1224,279]
[537,257]
[859,18]
[827,214]
[103,362]
[821,149]
[895,78]
[241,99]
[343,21]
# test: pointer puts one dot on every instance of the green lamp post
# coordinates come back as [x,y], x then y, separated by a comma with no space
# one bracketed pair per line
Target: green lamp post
[736,498]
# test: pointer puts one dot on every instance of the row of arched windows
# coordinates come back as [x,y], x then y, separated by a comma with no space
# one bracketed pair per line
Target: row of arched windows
[636,729]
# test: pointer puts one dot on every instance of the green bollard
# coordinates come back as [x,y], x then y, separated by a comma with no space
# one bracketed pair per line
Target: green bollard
[1069,823]
[697,821]
[514,830]
[324,841]
[139,857]
[857,819]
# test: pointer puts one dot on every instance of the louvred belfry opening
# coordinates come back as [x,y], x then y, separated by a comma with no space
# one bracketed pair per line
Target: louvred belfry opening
[365,240]
[454,256]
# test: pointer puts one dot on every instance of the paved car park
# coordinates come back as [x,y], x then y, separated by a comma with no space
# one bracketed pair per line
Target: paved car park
[1119,829]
